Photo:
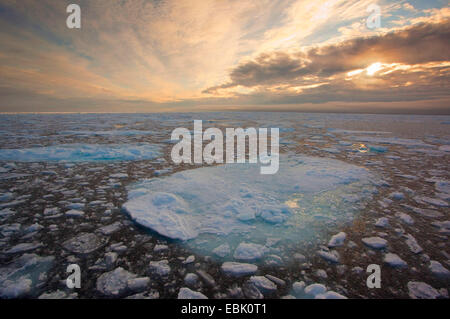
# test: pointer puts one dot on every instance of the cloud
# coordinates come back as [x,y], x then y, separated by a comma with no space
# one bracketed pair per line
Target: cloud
[160,55]
[423,43]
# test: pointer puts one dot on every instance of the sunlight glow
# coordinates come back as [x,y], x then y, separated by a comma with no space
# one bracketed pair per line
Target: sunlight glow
[355,72]
[374,68]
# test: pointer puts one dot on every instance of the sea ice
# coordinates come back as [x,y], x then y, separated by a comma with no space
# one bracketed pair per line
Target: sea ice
[248,251]
[331,256]
[83,153]
[414,247]
[238,269]
[191,279]
[337,240]
[24,276]
[394,260]
[23,247]
[315,289]
[264,285]
[421,290]
[84,243]
[160,268]
[186,293]
[438,270]
[114,283]
[382,222]
[375,242]
[205,207]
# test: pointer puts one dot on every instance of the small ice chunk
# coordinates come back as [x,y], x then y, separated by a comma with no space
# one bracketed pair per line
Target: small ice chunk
[136,285]
[189,260]
[264,285]
[375,242]
[186,293]
[84,243]
[432,201]
[331,256]
[23,247]
[298,288]
[160,248]
[110,229]
[6,197]
[397,195]
[74,213]
[238,269]
[315,289]
[337,240]
[119,175]
[394,260]
[191,279]
[321,273]
[75,206]
[421,290]
[438,270]
[382,222]
[114,283]
[161,268]
[278,281]
[414,247]
[405,218]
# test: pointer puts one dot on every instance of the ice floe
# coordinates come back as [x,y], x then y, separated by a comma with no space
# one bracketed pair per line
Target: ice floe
[234,205]
[83,153]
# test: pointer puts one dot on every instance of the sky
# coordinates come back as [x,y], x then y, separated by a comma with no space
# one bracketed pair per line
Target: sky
[204,55]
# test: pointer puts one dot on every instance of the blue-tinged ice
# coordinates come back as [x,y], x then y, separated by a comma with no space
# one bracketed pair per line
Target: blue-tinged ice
[109,133]
[83,153]
[234,204]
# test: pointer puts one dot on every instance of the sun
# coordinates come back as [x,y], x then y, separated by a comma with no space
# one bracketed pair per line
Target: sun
[374,68]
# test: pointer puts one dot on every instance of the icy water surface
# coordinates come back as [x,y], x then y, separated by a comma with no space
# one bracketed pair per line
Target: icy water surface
[101,191]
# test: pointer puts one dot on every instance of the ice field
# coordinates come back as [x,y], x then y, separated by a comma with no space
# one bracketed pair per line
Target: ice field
[101,191]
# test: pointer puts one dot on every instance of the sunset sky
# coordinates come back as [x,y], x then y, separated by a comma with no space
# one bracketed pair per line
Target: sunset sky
[197,55]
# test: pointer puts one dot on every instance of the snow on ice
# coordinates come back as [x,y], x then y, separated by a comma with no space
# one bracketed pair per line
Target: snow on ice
[235,206]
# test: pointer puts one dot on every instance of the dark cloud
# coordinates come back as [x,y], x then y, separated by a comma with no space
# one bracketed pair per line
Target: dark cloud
[423,43]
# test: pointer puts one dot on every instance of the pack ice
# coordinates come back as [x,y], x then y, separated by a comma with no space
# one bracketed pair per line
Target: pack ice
[82,153]
[235,205]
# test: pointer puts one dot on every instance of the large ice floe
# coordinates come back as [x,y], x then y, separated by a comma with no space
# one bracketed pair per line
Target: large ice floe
[255,215]
[83,153]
